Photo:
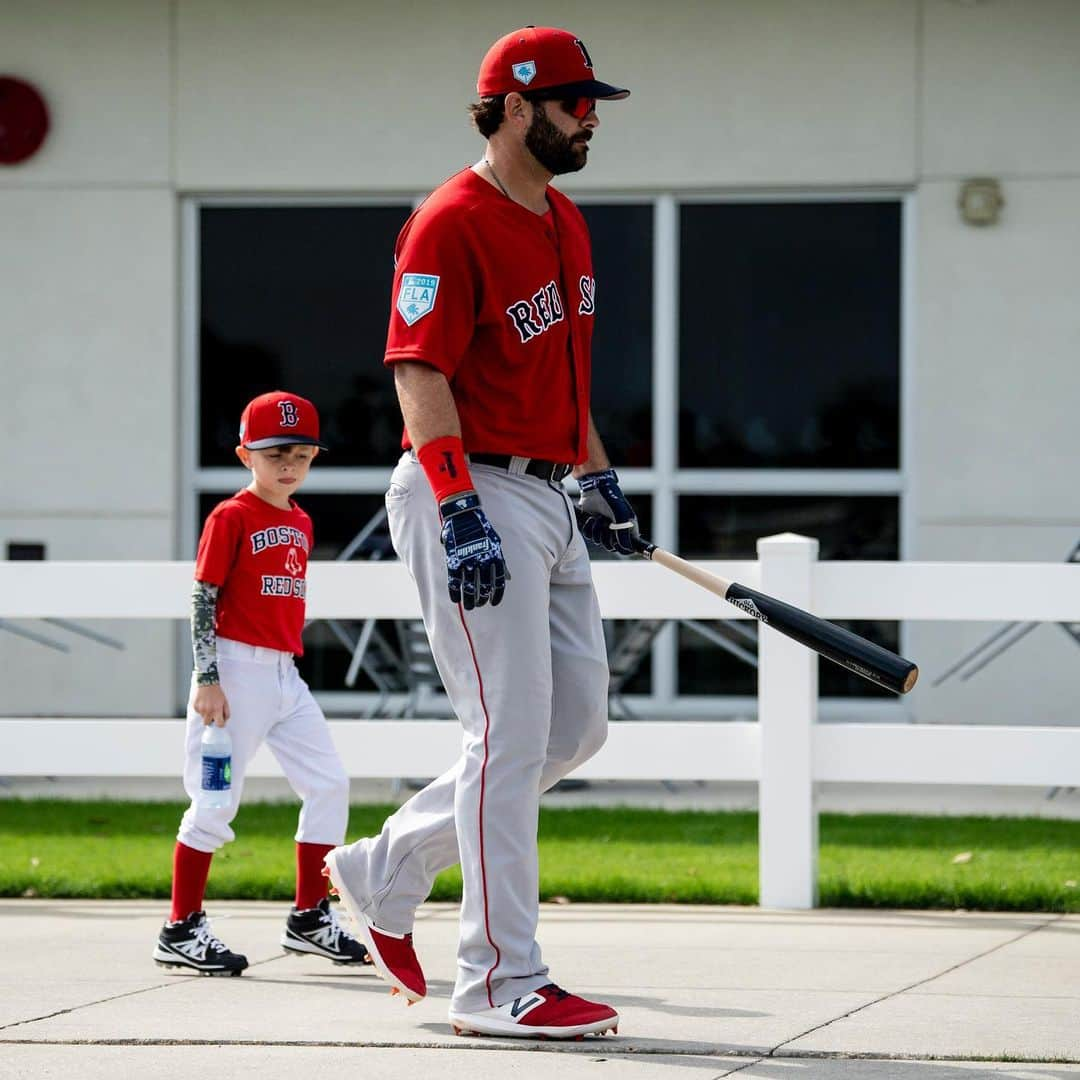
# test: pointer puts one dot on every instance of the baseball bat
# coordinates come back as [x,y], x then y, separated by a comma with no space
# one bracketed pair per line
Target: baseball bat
[825,638]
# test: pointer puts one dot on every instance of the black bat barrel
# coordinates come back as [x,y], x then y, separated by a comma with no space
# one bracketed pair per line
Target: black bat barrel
[831,641]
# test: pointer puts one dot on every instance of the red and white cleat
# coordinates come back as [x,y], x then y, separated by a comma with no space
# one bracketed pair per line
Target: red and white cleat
[395,960]
[547,1013]
[392,954]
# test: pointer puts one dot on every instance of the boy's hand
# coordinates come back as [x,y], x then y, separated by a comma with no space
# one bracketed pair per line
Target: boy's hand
[211,704]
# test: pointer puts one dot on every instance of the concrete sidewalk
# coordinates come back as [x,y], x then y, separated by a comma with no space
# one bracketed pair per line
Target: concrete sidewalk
[703,992]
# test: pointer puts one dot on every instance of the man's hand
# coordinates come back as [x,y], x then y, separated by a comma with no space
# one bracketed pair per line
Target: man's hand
[475,569]
[211,704]
[604,515]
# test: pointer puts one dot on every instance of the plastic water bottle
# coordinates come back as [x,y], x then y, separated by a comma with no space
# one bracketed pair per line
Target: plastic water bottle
[216,767]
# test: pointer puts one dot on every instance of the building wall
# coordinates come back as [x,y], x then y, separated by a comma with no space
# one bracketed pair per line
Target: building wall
[88,303]
[152,100]
[998,335]
[348,96]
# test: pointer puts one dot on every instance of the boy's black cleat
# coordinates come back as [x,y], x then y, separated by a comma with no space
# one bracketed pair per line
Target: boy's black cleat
[189,943]
[317,932]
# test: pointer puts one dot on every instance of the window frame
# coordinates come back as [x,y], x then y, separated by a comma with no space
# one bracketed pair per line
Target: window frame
[664,481]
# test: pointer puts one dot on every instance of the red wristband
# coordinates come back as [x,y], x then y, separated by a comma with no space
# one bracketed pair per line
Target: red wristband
[443,461]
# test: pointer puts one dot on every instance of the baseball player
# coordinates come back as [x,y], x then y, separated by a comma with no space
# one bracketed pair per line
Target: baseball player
[489,342]
[247,614]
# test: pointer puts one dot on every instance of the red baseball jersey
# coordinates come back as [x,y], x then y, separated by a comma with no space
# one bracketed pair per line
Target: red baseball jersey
[258,555]
[501,301]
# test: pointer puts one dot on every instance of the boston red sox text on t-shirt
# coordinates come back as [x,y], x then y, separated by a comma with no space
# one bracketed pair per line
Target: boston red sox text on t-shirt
[258,556]
[500,300]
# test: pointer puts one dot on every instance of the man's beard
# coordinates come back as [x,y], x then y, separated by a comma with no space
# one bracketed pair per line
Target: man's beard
[558,153]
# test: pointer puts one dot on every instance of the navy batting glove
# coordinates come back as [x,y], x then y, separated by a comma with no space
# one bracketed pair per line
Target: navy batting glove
[604,515]
[475,568]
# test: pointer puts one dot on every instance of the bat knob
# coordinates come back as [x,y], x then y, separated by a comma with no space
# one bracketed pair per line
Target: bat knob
[911,679]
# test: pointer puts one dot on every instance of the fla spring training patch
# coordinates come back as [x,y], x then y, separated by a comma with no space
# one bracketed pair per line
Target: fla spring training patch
[416,296]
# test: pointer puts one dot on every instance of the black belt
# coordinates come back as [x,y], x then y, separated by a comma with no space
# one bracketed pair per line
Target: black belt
[545,470]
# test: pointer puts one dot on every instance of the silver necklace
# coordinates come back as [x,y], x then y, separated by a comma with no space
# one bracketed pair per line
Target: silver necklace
[495,177]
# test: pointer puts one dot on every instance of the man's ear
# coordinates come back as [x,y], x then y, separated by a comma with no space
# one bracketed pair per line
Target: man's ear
[314,452]
[245,456]
[514,106]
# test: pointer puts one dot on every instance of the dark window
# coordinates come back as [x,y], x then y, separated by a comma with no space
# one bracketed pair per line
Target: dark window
[728,527]
[622,237]
[846,526]
[789,335]
[298,298]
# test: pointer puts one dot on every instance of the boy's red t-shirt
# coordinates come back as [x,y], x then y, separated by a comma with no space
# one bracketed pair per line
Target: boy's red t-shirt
[258,555]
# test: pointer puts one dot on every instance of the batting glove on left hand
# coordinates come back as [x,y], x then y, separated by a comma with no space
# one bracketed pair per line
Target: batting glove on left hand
[604,514]
[475,568]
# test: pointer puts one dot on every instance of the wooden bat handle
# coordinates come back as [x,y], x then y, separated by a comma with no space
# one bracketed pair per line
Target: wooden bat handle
[713,582]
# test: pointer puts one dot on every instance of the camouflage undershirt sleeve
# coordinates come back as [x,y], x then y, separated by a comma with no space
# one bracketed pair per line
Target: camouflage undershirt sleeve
[203,636]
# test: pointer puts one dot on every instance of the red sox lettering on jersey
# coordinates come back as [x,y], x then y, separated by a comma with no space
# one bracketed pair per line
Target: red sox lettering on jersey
[545,308]
[537,314]
[587,284]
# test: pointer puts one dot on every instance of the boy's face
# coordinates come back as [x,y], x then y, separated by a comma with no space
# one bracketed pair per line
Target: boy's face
[280,470]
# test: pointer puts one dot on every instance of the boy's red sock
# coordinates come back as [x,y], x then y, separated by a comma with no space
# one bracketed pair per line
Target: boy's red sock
[190,871]
[311,886]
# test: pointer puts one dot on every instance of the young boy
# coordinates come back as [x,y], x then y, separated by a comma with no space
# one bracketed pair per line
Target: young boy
[247,614]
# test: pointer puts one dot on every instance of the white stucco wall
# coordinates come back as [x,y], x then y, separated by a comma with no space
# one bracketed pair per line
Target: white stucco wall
[88,304]
[351,96]
[154,99]
[997,350]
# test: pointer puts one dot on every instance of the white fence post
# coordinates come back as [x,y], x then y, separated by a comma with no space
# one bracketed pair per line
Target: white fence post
[787,713]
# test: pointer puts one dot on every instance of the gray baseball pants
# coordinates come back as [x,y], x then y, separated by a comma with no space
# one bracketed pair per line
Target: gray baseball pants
[528,681]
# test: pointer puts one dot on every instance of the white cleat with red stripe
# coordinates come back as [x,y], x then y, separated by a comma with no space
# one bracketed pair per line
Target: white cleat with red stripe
[547,1013]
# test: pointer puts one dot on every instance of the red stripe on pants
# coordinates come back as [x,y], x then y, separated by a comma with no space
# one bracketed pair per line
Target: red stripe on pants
[483,780]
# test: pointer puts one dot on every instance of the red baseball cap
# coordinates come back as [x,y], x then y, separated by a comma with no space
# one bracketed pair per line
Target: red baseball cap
[279,419]
[539,58]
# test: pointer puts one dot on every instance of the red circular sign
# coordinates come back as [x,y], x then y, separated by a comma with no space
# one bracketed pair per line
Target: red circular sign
[24,120]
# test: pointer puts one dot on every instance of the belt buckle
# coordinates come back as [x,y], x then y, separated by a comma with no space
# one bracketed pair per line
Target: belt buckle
[560,472]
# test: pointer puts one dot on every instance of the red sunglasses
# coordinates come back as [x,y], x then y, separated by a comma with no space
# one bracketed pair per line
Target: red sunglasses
[578,107]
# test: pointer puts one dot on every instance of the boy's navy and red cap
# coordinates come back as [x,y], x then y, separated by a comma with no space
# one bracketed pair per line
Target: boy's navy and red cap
[279,419]
[542,58]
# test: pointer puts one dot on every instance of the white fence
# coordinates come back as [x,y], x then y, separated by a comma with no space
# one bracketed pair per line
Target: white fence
[787,752]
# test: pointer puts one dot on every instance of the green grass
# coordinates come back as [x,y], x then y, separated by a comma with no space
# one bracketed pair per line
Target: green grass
[109,849]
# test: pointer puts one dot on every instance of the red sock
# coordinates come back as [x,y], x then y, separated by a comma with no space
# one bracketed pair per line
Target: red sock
[190,871]
[311,886]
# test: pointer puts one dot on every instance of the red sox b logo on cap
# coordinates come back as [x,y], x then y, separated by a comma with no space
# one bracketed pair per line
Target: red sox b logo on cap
[279,419]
